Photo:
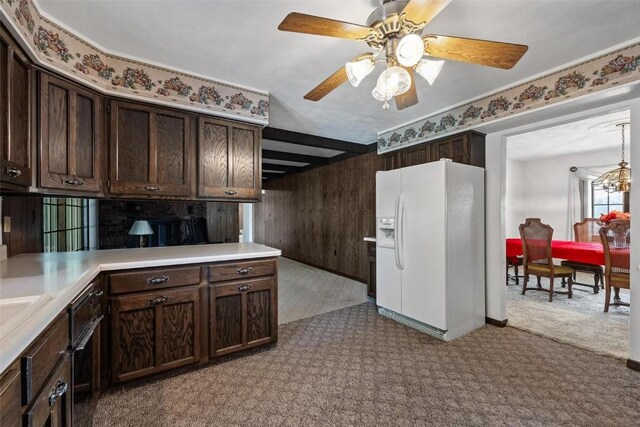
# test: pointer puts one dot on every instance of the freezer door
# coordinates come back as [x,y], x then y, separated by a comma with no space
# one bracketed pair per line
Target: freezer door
[422,244]
[388,275]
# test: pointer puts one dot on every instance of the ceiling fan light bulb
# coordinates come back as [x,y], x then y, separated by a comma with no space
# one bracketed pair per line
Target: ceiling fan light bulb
[429,69]
[379,94]
[358,70]
[410,49]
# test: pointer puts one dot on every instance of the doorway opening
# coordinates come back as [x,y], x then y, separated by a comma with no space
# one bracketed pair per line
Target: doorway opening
[549,175]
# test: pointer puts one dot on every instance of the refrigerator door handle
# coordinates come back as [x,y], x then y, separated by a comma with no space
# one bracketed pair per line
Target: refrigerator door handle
[400,232]
[396,242]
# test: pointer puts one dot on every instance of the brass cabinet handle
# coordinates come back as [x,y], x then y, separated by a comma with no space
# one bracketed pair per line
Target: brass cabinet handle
[157,280]
[230,192]
[73,181]
[158,300]
[58,391]
[13,172]
[244,288]
[245,270]
[152,188]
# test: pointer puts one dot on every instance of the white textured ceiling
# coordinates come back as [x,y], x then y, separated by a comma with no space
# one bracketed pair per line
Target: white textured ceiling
[593,134]
[238,41]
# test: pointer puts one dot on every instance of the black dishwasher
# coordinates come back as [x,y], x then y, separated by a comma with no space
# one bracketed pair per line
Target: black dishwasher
[85,316]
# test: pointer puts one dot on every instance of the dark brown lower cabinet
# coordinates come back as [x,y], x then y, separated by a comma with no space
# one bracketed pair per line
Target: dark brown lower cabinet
[52,407]
[242,315]
[154,331]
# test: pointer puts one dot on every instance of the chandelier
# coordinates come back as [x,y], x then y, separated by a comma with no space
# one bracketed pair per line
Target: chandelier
[618,179]
[401,54]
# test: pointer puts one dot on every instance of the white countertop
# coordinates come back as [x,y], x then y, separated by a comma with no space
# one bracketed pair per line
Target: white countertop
[370,239]
[59,277]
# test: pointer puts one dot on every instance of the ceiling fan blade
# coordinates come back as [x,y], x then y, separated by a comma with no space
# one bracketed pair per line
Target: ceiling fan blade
[482,52]
[310,24]
[421,12]
[332,82]
[410,97]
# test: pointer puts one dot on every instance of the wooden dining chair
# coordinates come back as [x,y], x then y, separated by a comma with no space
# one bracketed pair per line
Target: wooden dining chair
[586,231]
[616,242]
[537,260]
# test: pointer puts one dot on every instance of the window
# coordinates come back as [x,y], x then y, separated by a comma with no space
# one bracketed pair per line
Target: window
[604,202]
[66,224]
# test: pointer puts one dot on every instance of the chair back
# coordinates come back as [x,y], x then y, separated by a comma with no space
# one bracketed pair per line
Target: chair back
[536,242]
[587,231]
[616,242]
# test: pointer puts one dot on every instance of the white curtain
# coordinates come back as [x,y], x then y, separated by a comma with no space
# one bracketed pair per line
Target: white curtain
[578,189]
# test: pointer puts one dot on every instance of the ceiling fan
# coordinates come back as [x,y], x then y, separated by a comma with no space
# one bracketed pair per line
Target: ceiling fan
[395,28]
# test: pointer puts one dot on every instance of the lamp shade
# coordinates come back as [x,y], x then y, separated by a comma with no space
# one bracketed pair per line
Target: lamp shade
[393,81]
[410,50]
[429,69]
[358,70]
[141,228]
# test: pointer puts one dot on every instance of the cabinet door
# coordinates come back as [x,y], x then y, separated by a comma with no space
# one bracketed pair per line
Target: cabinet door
[70,136]
[392,160]
[15,113]
[152,332]
[52,407]
[150,151]
[243,315]
[460,149]
[229,160]
[245,170]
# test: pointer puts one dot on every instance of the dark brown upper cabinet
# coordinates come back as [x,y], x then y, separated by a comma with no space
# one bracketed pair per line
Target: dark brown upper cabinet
[150,151]
[229,160]
[15,114]
[70,136]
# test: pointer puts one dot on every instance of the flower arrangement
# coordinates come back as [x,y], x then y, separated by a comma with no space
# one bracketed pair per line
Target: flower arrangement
[607,218]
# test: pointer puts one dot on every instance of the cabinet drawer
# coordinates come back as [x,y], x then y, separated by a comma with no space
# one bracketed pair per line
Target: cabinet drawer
[157,278]
[84,310]
[53,405]
[10,396]
[41,358]
[241,270]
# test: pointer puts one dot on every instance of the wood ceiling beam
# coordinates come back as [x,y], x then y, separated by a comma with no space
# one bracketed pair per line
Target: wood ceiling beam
[312,140]
[284,168]
[292,157]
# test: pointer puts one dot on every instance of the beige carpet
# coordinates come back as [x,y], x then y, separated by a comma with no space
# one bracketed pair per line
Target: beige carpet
[305,291]
[353,367]
[580,320]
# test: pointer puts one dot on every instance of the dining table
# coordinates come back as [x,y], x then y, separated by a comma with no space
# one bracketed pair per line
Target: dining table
[577,252]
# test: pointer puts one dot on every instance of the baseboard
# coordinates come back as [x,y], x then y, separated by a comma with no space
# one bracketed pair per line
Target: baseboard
[633,364]
[357,279]
[498,323]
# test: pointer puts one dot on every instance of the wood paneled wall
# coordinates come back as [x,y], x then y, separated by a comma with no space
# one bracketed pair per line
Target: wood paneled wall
[320,216]
[26,224]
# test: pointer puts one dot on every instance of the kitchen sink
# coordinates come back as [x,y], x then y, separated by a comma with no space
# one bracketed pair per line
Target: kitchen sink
[14,311]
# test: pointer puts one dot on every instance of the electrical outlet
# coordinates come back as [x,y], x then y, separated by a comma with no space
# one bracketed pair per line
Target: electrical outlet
[6,224]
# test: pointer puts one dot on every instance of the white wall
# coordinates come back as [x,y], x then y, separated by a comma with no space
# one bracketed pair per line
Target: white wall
[540,189]
[634,199]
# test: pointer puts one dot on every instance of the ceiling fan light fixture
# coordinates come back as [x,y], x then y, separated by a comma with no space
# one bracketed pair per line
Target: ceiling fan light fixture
[392,82]
[429,69]
[410,49]
[358,70]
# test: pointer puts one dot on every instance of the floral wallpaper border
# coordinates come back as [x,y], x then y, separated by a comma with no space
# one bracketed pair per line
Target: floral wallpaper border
[605,71]
[61,50]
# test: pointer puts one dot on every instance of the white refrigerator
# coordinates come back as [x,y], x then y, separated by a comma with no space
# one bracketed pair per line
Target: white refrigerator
[430,247]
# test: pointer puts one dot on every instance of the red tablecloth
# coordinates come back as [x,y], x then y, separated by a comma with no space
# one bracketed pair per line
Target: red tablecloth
[590,253]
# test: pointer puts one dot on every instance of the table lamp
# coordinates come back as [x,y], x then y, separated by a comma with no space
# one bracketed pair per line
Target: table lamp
[141,228]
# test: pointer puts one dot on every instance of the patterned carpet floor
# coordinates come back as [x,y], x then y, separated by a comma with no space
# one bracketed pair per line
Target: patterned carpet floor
[353,367]
[580,321]
[305,291]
